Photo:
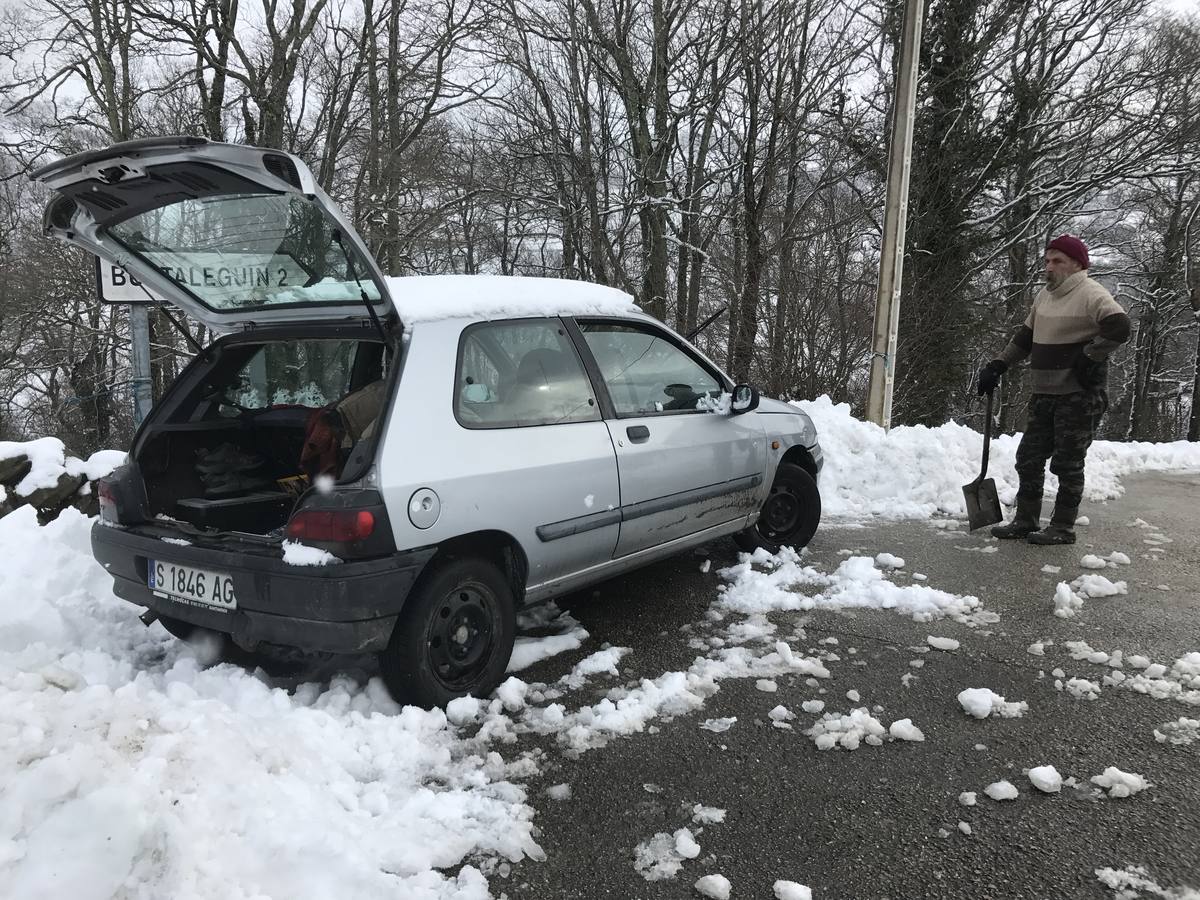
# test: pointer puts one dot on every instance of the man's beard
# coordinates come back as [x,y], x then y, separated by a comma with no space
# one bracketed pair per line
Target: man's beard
[1053,280]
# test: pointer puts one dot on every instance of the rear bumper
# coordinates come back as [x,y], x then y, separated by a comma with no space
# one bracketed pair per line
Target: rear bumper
[350,607]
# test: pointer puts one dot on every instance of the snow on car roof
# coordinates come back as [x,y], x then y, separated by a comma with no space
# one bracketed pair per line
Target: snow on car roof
[424,298]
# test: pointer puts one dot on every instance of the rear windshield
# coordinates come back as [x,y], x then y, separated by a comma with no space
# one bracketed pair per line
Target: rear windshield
[247,251]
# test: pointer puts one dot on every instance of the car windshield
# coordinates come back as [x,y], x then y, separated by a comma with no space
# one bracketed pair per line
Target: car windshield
[245,251]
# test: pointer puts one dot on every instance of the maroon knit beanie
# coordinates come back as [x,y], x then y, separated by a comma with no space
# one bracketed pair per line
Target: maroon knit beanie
[1072,247]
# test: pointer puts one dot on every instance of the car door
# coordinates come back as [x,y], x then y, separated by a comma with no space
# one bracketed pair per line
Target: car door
[526,452]
[233,235]
[683,467]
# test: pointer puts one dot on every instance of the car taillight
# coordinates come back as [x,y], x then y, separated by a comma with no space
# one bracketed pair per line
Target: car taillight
[336,525]
[108,501]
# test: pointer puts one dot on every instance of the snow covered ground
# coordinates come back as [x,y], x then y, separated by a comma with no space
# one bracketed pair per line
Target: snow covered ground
[132,770]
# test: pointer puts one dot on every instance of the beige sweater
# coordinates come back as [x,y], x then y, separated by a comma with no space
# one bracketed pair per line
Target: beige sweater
[1077,317]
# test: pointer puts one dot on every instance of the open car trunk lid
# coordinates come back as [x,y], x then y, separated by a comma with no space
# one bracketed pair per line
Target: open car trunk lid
[233,235]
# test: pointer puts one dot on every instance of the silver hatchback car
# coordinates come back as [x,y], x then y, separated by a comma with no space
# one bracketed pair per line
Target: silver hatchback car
[399,465]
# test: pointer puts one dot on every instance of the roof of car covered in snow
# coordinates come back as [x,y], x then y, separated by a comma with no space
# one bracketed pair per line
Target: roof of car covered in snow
[425,298]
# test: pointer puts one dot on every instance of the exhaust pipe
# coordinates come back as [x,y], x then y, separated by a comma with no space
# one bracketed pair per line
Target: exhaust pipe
[148,618]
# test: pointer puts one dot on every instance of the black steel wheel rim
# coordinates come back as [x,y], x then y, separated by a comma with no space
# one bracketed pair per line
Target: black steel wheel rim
[780,515]
[461,634]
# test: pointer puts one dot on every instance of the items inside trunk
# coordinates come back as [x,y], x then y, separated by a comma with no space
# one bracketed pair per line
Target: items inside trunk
[263,423]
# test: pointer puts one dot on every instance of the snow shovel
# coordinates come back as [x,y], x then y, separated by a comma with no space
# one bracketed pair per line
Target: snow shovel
[983,505]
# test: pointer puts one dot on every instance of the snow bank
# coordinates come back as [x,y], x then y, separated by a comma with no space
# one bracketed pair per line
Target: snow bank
[916,472]
[127,764]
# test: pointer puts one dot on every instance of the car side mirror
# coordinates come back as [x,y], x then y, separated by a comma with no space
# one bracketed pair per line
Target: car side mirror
[745,399]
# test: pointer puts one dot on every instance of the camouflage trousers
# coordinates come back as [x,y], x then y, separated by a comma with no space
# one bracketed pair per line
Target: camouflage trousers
[1060,429]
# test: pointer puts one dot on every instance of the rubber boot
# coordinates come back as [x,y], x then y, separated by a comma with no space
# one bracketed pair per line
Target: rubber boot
[1025,521]
[1061,529]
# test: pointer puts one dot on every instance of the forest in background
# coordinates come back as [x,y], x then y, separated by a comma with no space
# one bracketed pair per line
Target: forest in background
[699,154]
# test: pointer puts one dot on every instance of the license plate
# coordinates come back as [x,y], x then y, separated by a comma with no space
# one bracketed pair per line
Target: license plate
[198,587]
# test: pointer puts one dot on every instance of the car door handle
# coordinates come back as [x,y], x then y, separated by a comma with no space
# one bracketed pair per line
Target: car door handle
[639,434]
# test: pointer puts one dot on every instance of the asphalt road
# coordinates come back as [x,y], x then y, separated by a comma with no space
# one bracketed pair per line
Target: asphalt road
[881,822]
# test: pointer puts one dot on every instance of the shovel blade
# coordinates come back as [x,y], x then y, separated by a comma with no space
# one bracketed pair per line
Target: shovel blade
[983,503]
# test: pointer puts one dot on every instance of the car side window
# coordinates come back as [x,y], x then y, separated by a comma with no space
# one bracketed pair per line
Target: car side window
[647,374]
[514,374]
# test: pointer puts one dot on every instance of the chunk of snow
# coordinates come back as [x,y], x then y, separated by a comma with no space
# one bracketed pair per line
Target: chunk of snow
[1001,790]
[559,792]
[718,725]
[982,702]
[463,710]
[942,643]
[1037,649]
[1066,601]
[1120,784]
[905,730]
[530,650]
[1098,586]
[1083,520]
[656,859]
[966,798]
[512,693]
[1051,570]
[1182,731]
[812,706]
[685,844]
[1091,561]
[888,561]
[766,685]
[853,696]
[791,890]
[707,815]
[846,732]
[715,886]
[964,827]
[297,554]
[1046,779]
[1083,689]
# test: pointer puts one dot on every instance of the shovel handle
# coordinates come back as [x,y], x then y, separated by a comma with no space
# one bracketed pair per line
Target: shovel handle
[987,436]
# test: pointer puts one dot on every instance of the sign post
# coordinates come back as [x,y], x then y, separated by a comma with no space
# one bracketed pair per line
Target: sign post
[115,285]
[139,332]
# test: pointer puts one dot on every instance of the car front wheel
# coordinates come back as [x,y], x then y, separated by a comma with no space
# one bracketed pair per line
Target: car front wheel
[789,516]
[454,636]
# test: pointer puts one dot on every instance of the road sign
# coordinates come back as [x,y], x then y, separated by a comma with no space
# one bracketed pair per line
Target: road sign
[115,285]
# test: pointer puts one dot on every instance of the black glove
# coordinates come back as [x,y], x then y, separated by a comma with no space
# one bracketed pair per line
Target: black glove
[989,375]
[1091,374]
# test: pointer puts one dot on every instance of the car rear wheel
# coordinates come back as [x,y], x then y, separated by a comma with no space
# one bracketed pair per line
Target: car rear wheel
[789,516]
[454,636]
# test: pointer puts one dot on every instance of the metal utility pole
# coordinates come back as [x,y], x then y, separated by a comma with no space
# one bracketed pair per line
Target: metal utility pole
[139,328]
[891,261]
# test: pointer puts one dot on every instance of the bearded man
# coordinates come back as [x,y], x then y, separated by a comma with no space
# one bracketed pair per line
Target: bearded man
[1073,327]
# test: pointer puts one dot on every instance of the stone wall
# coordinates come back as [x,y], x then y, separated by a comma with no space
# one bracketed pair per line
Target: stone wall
[41,474]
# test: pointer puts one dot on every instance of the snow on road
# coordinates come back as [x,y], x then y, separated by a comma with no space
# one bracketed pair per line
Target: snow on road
[131,769]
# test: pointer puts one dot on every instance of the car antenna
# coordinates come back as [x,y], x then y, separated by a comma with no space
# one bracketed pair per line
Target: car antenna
[699,328]
[362,292]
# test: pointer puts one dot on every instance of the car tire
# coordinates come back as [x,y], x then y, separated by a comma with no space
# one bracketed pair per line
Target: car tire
[789,516]
[454,636]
